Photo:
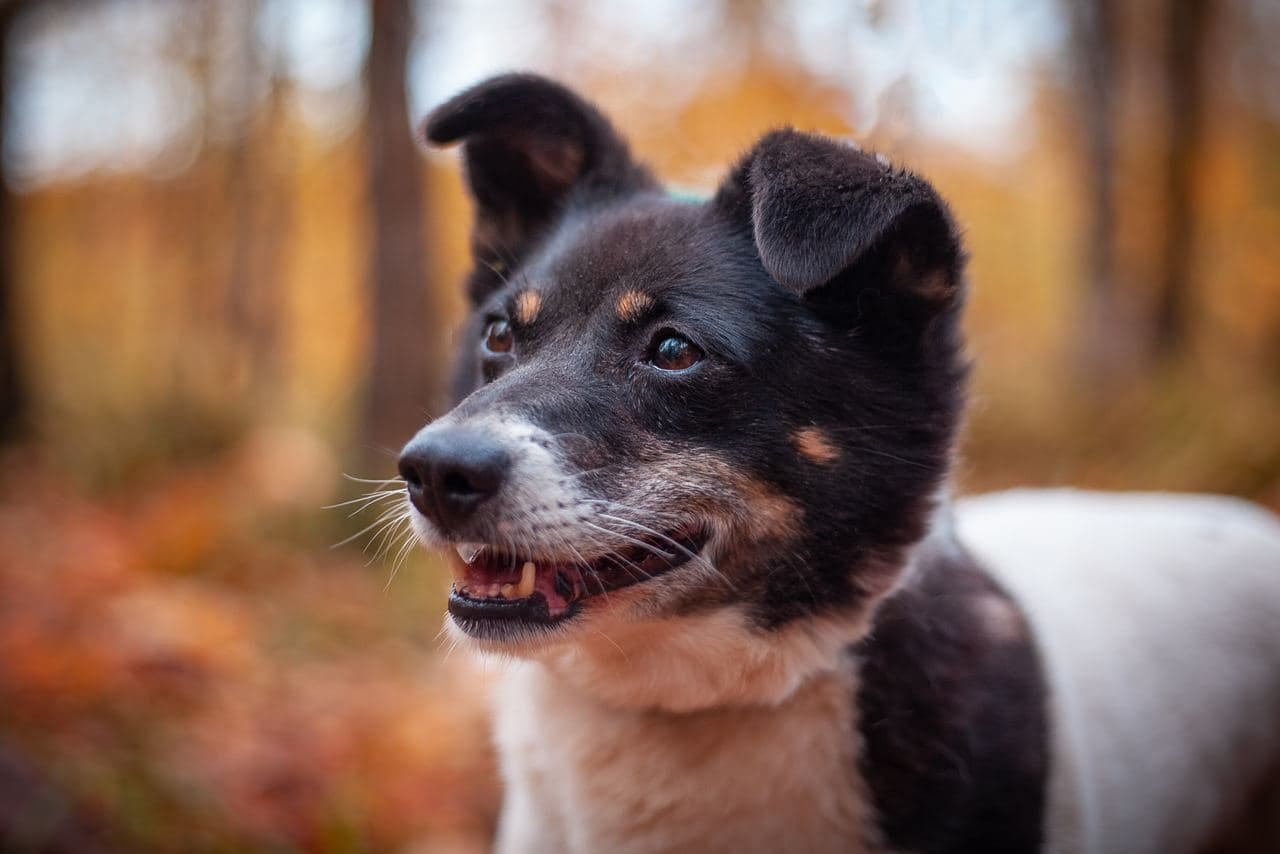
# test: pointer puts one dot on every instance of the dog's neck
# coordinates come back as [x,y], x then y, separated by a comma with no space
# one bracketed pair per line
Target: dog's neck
[891,701]
[722,658]
[717,659]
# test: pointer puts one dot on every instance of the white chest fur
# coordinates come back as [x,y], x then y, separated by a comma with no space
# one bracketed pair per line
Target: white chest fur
[585,777]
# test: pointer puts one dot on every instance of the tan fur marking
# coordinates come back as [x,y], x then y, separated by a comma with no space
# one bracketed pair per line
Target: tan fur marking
[815,445]
[528,304]
[632,304]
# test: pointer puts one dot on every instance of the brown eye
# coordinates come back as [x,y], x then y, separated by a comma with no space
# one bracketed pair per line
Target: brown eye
[675,353]
[497,337]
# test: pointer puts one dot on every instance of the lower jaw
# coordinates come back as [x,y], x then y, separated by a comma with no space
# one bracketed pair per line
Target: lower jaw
[500,619]
[506,624]
[533,610]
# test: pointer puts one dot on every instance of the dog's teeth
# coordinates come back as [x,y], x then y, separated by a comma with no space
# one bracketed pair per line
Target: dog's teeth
[508,591]
[528,575]
[468,551]
[494,590]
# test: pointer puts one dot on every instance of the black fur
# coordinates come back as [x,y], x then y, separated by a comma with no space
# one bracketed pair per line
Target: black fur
[825,289]
[953,717]
[863,354]
[532,147]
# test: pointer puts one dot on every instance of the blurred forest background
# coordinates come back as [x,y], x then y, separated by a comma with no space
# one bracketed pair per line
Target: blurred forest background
[228,275]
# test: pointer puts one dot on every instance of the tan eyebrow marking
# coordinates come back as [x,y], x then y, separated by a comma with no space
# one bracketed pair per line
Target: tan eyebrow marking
[528,304]
[632,304]
[815,445]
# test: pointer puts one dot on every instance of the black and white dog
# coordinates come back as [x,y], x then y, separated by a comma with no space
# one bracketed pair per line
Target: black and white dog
[696,487]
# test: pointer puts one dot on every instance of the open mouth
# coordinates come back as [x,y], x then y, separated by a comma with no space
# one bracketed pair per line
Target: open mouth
[492,584]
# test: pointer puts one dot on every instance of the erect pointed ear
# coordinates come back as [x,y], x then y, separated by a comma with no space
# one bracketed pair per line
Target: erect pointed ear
[531,147]
[822,210]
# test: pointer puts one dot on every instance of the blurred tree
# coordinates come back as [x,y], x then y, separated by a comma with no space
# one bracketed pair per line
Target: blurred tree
[407,335]
[13,396]
[262,207]
[1188,27]
[1093,54]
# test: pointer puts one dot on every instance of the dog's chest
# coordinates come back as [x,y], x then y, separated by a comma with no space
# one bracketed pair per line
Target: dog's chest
[582,777]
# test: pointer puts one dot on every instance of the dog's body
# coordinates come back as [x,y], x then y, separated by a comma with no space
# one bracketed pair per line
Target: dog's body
[1163,712]
[696,483]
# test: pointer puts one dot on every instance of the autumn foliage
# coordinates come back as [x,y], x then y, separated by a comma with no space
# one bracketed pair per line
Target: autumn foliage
[186,663]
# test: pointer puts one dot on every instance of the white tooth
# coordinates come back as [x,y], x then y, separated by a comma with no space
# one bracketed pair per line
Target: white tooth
[527,576]
[468,551]
[494,590]
[508,591]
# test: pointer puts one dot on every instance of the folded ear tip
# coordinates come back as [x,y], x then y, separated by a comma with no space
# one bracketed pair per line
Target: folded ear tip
[491,101]
[434,129]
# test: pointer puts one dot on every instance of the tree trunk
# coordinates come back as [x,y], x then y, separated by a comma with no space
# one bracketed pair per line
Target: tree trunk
[407,327]
[1094,55]
[261,200]
[1185,52]
[13,388]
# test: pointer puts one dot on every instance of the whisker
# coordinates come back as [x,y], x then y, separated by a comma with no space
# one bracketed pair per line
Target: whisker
[368,497]
[380,539]
[358,534]
[371,480]
[615,645]
[632,540]
[693,556]
[406,549]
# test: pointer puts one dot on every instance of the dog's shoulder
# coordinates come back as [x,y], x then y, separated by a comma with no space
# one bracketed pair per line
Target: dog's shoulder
[1156,616]
[951,711]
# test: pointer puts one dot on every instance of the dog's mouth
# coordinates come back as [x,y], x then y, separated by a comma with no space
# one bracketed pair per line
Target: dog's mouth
[493,584]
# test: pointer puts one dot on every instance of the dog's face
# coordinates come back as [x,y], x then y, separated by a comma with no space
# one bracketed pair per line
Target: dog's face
[669,407]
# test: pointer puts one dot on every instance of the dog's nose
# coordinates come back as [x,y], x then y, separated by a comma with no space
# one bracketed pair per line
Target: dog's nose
[452,471]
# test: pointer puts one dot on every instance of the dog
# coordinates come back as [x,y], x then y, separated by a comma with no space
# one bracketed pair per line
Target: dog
[694,486]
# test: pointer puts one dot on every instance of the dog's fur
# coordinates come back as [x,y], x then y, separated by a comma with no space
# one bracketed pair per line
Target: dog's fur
[827,667]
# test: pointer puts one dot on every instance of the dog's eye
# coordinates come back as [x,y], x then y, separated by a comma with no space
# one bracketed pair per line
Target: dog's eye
[674,352]
[497,336]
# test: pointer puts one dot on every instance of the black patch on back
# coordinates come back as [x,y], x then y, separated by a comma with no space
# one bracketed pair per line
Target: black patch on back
[952,718]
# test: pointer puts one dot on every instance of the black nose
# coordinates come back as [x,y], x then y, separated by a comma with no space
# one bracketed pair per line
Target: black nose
[451,471]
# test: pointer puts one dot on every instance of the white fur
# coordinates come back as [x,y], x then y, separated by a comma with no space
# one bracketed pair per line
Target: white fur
[583,776]
[698,734]
[1159,622]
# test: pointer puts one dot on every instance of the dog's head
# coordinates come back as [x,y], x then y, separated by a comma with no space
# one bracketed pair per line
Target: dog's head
[670,408]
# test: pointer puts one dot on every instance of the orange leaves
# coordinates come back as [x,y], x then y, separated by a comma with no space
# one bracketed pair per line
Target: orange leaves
[164,665]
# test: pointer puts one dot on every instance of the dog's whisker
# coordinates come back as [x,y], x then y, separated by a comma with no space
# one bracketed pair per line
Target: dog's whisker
[367,501]
[394,518]
[680,549]
[385,480]
[369,496]
[638,543]
[622,651]
[358,534]
[406,547]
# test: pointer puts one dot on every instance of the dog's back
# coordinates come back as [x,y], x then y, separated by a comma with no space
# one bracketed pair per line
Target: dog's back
[1158,620]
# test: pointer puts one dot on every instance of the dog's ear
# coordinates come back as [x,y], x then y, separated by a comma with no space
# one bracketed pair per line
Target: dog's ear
[823,213]
[531,147]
